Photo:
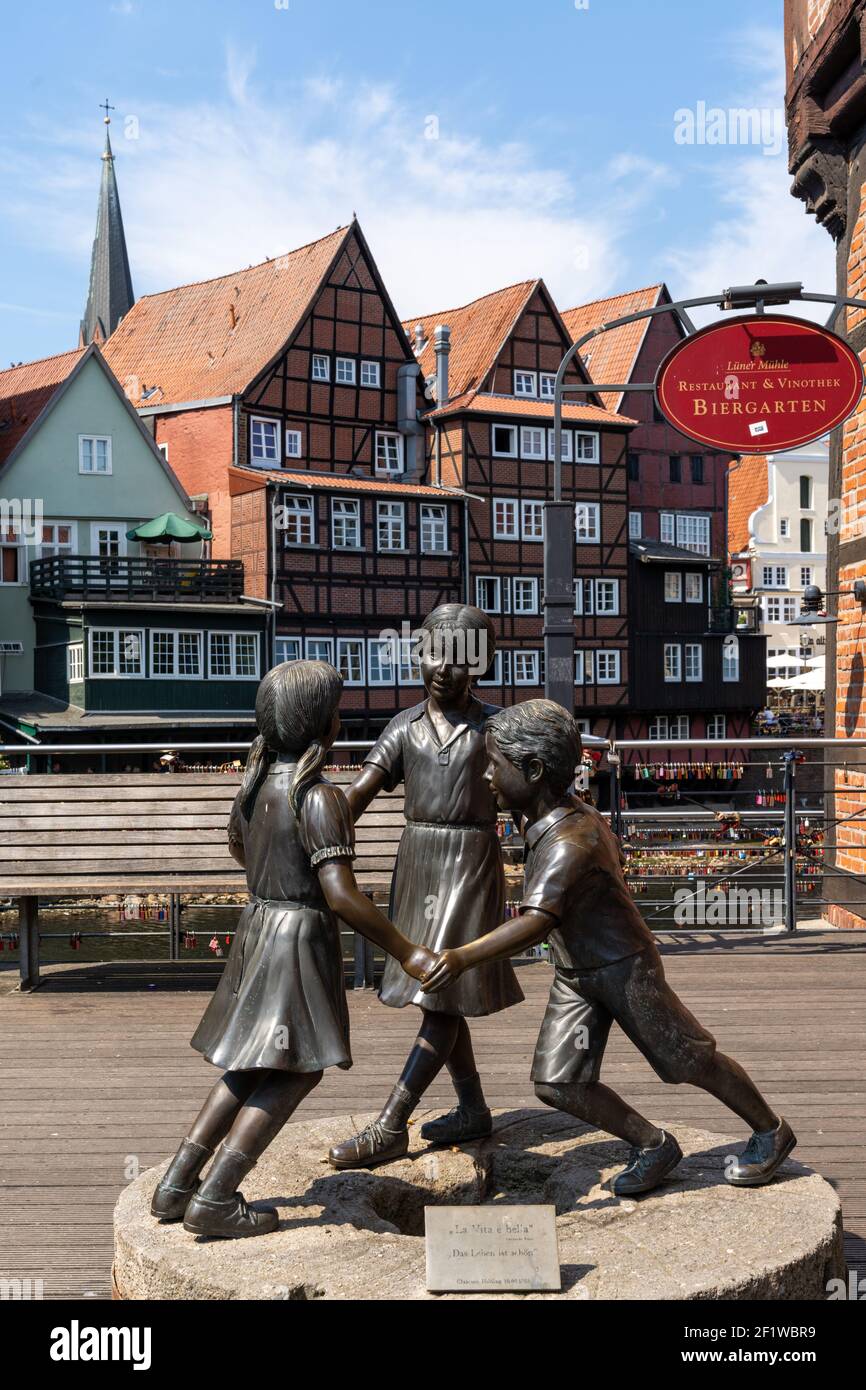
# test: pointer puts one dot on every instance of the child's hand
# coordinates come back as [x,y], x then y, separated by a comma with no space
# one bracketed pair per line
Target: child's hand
[448,968]
[419,962]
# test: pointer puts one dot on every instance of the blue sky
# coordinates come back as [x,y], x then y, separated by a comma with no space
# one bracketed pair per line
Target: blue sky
[480,142]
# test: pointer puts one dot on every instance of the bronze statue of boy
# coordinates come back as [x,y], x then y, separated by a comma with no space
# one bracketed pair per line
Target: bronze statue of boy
[607,964]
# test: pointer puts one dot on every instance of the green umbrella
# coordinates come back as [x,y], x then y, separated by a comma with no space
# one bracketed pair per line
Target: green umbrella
[169,527]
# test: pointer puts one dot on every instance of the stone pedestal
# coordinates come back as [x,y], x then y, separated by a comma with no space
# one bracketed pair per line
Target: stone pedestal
[360,1235]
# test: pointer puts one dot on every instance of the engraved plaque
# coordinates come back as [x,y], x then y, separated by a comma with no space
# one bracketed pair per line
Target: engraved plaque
[491,1249]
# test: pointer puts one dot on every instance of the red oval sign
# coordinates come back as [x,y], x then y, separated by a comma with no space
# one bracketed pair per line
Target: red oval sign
[759,384]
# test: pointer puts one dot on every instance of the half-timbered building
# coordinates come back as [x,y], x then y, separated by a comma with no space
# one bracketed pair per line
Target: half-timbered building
[286,398]
[490,367]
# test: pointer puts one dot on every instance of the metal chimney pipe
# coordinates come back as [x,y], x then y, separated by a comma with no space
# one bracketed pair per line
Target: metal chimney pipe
[442,347]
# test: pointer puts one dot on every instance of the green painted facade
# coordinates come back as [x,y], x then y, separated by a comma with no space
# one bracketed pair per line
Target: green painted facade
[46,471]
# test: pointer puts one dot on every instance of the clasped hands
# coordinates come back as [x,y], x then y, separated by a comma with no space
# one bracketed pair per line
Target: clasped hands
[435,970]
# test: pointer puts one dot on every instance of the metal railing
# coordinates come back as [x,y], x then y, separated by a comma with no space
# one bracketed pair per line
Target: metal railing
[136,578]
[777,850]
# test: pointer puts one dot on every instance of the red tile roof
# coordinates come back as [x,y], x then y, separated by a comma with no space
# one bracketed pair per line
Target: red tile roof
[612,356]
[26,390]
[748,489]
[488,404]
[478,331]
[339,482]
[212,338]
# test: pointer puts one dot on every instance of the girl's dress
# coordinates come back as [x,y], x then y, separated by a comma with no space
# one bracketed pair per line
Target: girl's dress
[281,1001]
[448,886]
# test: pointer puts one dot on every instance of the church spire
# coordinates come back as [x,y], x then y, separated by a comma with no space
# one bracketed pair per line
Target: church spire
[110,294]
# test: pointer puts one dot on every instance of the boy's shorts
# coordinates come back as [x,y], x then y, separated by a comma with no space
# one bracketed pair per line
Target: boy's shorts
[583,1005]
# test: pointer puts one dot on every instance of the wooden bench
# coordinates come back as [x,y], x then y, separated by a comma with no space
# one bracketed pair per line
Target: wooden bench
[88,835]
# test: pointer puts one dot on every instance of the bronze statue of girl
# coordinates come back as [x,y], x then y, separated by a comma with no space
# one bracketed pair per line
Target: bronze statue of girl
[448,887]
[278,1016]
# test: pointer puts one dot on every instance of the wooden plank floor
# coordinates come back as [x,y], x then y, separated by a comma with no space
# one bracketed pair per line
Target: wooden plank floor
[97,1080]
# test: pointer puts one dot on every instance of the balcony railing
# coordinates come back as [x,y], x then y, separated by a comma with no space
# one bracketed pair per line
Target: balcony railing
[139,578]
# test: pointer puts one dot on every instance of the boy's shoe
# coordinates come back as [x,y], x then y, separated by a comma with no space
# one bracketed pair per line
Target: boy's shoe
[646,1167]
[458,1126]
[762,1156]
[372,1146]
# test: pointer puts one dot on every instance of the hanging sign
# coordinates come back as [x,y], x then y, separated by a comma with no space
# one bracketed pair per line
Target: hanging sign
[759,384]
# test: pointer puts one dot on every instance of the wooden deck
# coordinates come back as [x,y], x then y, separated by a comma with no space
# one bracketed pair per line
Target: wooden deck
[97,1080]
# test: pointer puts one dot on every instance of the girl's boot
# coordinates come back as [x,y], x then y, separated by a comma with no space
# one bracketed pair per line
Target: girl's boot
[218,1210]
[178,1183]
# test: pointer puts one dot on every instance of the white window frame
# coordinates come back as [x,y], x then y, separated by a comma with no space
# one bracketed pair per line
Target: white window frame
[693,660]
[47,550]
[510,453]
[778,577]
[531,435]
[357,646]
[603,586]
[698,597]
[390,521]
[75,663]
[524,585]
[602,659]
[495,581]
[567,446]
[531,380]
[293,437]
[384,439]
[673,663]
[175,673]
[373,645]
[319,649]
[116,674]
[345,510]
[531,507]
[262,460]
[319,358]
[673,586]
[409,667]
[593,454]
[431,527]
[526,657]
[584,514]
[351,379]
[283,643]
[297,509]
[511,507]
[93,440]
[368,368]
[233,650]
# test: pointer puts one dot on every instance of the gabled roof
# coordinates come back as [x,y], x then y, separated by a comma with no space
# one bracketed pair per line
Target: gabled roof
[612,356]
[748,489]
[479,332]
[29,392]
[25,391]
[212,338]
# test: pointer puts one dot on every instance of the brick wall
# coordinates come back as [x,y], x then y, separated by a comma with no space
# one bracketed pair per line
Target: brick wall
[200,452]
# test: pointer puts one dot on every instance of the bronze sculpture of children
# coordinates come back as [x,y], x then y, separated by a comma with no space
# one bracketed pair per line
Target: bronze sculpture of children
[607,964]
[278,1016]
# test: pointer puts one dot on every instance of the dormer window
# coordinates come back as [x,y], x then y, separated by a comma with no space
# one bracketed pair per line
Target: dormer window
[525,384]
